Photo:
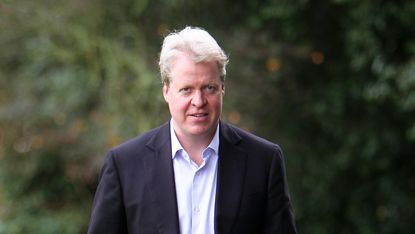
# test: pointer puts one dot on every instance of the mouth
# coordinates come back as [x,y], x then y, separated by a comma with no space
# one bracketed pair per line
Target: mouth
[199,115]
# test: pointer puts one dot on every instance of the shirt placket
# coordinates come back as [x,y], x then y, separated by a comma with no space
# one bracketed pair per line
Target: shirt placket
[196,201]
[197,194]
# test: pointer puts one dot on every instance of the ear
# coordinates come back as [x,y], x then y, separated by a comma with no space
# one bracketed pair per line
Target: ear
[166,92]
[223,89]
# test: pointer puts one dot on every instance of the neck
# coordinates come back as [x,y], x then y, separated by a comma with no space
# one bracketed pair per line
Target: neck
[193,143]
[195,152]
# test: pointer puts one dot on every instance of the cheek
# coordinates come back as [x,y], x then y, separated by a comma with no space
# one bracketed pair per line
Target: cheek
[217,101]
[179,105]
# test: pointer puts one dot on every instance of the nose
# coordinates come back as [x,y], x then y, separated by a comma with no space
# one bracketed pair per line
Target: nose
[198,99]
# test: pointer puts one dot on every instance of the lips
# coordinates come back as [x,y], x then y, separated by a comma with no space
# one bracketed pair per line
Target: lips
[199,115]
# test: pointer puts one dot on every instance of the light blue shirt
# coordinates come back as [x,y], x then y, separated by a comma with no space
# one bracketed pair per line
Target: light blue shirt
[195,186]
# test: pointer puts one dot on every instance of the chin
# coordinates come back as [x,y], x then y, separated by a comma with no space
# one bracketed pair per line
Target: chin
[199,131]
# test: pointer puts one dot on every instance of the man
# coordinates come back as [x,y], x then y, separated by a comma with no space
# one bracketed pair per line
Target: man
[194,174]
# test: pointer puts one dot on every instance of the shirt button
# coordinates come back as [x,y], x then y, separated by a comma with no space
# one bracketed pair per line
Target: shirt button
[196,209]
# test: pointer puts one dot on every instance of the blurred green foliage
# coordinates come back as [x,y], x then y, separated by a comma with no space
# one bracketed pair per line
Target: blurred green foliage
[333,81]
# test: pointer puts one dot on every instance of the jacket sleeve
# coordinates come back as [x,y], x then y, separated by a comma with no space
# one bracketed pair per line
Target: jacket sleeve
[108,214]
[279,215]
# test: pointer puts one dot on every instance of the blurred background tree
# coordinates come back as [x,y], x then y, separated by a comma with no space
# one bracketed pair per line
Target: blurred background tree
[331,81]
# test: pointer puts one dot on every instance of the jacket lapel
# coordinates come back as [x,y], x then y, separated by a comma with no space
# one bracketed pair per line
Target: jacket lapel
[231,174]
[163,181]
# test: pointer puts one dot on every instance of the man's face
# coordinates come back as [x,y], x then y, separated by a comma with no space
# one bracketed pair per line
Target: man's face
[194,96]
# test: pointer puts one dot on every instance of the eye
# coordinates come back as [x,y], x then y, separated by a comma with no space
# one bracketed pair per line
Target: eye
[185,90]
[211,88]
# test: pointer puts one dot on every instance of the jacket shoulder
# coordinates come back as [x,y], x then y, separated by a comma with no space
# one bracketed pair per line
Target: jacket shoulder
[246,139]
[142,142]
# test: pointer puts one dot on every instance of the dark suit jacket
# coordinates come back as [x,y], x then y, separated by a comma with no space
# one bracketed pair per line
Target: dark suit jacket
[136,191]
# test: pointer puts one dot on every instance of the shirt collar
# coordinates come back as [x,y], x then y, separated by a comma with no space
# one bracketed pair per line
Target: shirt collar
[176,146]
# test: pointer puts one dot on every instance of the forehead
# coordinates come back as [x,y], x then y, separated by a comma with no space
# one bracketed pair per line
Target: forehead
[185,68]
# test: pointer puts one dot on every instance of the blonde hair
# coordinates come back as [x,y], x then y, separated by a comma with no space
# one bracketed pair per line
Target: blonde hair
[196,42]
